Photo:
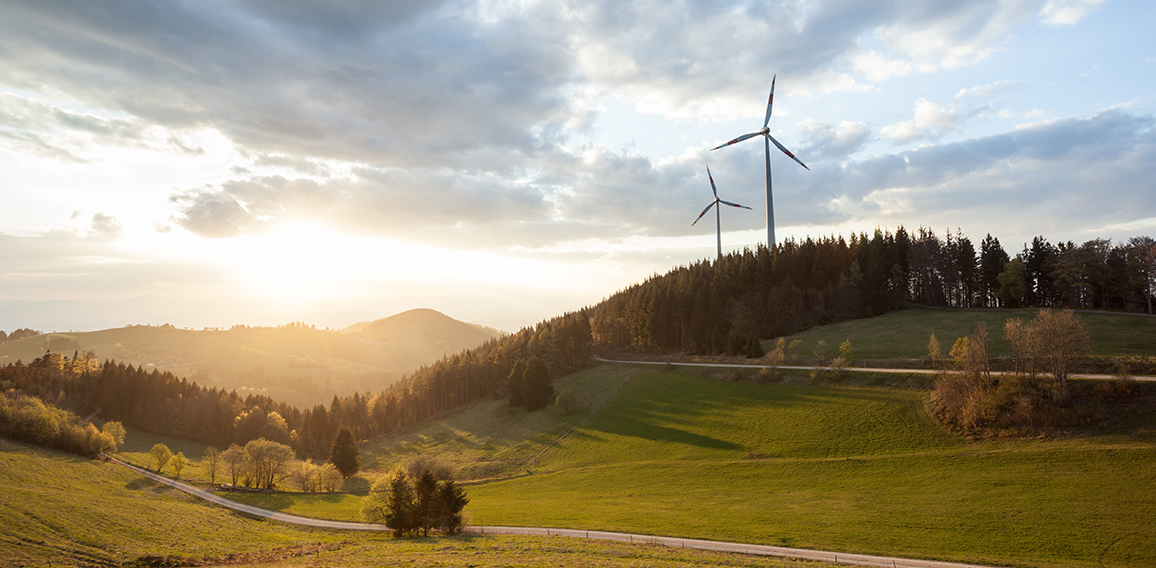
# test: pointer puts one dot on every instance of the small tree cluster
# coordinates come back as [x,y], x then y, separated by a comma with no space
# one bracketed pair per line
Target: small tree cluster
[409,505]
[259,463]
[28,419]
[311,477]
[531,384]
[967,397]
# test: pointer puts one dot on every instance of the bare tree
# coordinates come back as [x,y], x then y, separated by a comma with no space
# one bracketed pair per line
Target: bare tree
[211,462]
[1061,339]
[1021,336]
[234,459]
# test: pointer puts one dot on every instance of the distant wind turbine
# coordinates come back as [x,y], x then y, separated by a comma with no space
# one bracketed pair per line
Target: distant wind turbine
[766,133]
[717,201]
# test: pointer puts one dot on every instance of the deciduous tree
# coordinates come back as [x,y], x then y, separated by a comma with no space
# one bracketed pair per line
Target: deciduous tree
[179,462]
[160,454]
[115,431]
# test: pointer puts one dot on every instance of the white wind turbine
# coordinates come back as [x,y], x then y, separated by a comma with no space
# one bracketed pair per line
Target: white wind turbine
[717,201]
[767,140]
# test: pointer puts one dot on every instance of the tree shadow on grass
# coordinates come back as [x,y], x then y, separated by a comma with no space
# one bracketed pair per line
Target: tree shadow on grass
[140,483]
[640,426]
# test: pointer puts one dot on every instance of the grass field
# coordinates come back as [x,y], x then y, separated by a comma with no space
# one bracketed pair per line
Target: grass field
[852,469]
[845,467]
[855,469]
[61,510]
[66,510]
[904,334]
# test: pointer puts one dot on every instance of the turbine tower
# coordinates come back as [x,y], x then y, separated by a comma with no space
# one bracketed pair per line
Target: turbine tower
[717,201]
[767,140]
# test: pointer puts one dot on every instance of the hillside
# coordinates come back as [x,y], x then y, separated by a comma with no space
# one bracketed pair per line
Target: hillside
[296,364]
[60,510]
[63,510]
[903,335]
[858,469]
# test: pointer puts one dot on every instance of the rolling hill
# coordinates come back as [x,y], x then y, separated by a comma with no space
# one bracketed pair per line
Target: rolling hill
[858,469]
[297,364]
[61,510]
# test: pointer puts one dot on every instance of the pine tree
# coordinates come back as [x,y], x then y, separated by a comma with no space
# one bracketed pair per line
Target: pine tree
[451,500]
[345,455]
[538,384]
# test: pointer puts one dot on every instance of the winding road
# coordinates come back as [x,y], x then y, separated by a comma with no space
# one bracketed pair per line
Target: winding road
[711,545]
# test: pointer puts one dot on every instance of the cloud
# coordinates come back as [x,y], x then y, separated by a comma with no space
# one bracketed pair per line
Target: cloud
[105,226]
[989,90]
[1058,13]
[211,215]
[931,121]
[826,142]
[1049,177]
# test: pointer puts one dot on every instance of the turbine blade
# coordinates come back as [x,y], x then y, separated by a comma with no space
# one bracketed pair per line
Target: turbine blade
[770,101]
[703,212]
[734,204]
[787,152]
[737,140]
[712,188]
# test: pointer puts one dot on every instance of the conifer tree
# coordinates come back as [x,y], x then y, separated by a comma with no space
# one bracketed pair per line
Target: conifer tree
[345,455]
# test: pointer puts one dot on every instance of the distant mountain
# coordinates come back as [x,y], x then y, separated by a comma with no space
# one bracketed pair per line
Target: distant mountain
[294,363]
[426,326]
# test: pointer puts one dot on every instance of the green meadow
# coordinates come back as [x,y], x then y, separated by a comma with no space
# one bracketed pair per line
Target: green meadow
[854,469]
[903,334]
[849,465]
[61,510]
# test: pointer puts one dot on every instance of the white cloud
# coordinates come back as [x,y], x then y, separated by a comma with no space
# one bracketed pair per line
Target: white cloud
[931,121]
[989,90]
[1067,12]
[105,226]
[828,142]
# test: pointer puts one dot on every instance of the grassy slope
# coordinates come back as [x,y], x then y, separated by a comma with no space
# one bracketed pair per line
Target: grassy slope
[904,334]
[61,510]
[843,468]
[853,469]
[65,510]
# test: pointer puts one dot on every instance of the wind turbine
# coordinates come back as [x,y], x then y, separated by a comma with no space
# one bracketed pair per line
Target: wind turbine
[767,140]
[717,201]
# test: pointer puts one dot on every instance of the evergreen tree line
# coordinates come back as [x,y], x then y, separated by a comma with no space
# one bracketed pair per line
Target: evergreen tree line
[723,306]
[521,365]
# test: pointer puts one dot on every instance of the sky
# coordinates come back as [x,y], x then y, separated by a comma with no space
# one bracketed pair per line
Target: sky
[207,163]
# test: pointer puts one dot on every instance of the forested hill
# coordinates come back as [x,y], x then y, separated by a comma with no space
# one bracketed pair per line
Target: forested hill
[726,306]
[711,308]
[294,363]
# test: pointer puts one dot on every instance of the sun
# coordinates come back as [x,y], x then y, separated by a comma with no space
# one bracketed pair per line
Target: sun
[302,262]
